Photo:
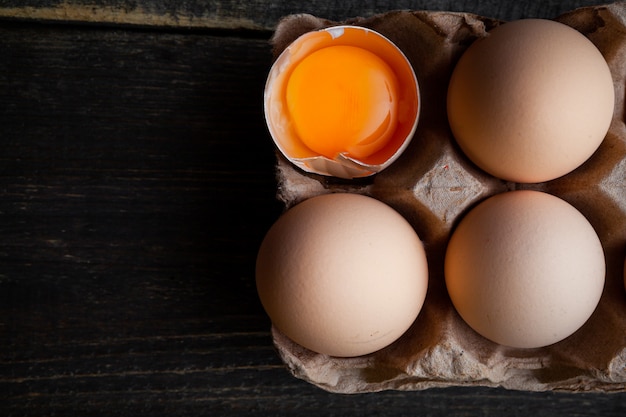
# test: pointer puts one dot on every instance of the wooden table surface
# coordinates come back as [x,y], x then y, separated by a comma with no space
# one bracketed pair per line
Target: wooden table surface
[137,180]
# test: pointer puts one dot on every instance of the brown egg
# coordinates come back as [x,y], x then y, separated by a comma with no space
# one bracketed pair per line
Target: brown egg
[531,101]
[342,274]
[525,269]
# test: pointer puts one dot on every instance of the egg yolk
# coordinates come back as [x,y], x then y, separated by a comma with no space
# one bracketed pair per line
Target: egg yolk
[343,99]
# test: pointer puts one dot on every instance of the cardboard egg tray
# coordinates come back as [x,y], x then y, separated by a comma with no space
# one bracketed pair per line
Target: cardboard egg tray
[433,185]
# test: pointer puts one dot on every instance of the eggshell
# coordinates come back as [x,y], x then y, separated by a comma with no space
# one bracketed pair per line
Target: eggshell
[525,269]
[532,101]
[342,100]
[342,274]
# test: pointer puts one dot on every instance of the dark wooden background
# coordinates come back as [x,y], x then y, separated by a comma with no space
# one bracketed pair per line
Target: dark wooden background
[137,180]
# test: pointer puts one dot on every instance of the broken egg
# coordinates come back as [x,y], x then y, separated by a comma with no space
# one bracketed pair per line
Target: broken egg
[342,101]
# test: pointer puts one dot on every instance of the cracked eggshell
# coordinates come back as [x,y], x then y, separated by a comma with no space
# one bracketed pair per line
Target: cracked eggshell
[344,164]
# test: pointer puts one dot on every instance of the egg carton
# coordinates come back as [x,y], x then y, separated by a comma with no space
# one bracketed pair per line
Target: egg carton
[433,185]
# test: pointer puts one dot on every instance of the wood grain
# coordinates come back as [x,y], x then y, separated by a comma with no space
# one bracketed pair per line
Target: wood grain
[136,183]
[255,15]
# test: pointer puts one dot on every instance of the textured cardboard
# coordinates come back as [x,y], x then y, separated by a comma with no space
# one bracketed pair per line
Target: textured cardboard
[433,185]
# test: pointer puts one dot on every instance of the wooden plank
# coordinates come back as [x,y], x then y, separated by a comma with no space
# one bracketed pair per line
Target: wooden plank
[122,171]
[256,15]
[137,179]
[136,183]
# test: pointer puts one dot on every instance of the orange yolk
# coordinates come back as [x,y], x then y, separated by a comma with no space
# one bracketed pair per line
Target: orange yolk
[343,99]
